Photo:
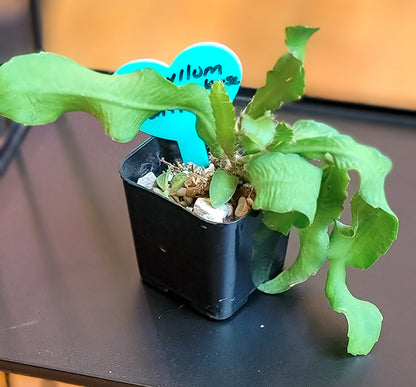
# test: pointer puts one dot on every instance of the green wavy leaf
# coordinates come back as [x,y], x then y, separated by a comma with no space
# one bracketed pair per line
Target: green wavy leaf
[224,114]
[285,183]
[283,134]
[374,223]
[314,240]
[38,88]
[286,81]
[364,319]
[257,134]
[370,235]
[296,39]
[373,229]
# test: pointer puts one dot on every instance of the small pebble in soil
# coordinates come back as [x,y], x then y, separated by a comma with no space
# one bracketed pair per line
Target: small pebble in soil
[193,195]
[147,181]
[242,207]
[204,209]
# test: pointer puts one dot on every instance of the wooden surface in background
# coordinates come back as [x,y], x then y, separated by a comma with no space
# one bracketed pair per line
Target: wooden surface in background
[14,380]
[363,52]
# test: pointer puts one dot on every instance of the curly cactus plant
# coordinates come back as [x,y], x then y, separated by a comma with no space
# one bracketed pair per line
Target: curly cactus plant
[273,156]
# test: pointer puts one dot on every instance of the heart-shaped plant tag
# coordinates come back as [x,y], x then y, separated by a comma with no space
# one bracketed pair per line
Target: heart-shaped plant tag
[202,63]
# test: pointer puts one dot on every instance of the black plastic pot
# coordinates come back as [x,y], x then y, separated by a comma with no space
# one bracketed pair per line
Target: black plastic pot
[208,265]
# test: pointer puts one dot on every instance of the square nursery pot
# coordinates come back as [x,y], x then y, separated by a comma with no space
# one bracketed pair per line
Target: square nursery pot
[207,265]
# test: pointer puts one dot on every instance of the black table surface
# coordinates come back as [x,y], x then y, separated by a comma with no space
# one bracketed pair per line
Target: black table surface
[73,307]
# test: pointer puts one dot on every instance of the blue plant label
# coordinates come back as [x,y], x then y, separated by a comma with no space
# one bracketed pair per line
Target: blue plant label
[202,63]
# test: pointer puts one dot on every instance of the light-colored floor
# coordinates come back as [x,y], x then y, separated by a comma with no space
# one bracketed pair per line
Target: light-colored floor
[14,380]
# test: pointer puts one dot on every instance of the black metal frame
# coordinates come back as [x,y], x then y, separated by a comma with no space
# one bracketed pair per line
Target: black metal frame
[18,132]
[36,21]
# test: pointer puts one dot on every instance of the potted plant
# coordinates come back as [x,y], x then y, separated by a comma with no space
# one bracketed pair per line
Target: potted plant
[299,173]
[205,261]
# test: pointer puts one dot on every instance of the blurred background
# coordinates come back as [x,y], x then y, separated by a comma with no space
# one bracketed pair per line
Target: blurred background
[363,52]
